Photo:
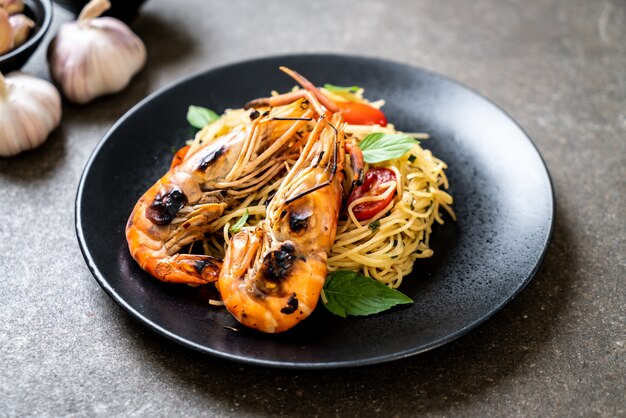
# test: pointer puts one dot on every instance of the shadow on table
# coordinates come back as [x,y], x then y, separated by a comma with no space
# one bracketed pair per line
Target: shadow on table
[430,382]
[38,163]
[166,43]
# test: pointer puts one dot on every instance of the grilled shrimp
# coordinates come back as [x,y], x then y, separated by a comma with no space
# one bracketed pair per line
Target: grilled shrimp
[272,276]
[178,209]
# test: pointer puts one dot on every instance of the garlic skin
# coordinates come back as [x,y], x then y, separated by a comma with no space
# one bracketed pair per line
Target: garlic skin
[30,108]
[21,26]
[6,32]
[94,55]
[12,6]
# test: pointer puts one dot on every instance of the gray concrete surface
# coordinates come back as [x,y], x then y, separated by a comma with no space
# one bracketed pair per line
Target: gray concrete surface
[557,66]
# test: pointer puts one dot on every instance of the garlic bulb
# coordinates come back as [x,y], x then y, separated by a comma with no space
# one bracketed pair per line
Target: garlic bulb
[94,55]
[21,27]
[6,32]
[30,108]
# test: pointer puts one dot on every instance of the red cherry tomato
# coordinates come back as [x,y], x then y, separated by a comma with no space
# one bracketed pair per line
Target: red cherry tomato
[362,114]
[374,178]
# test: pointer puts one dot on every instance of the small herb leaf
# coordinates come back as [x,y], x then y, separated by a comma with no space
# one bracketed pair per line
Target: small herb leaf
[341,89]
[240,223]
[350,293]
[374,225]
[379,146]
[199,116]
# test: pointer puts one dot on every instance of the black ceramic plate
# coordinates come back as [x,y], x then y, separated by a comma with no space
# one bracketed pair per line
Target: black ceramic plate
[502,196]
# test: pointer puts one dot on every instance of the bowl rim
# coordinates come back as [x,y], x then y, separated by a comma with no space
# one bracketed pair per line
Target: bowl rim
[37,37]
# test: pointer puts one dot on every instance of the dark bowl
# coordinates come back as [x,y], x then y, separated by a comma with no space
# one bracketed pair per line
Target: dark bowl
[40,11]
[125,10]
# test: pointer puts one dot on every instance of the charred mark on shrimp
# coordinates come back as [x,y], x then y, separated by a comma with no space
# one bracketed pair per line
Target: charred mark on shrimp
[211,158]
[292,304]
[276,267]
[200,265]
[165,206]
[299,219]
[319,159]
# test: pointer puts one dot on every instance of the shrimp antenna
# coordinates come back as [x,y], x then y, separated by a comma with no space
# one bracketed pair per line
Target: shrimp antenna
[306,192]
[333,167]
[307,85]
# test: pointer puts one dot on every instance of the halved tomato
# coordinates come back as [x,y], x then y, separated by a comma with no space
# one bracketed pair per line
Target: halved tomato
[372,186]
[361,114]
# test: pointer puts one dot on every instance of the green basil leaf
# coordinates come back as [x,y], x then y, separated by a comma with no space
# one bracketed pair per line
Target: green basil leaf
[379,146]
[350,293]
[374,225]
[199,116]
[341,89]
[240,223]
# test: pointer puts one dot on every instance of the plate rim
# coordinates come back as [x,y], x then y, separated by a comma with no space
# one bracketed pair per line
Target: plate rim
[379,359]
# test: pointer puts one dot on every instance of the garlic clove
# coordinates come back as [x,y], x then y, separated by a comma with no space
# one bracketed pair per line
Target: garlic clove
[94,55]
[21,26]
[6,32]
[30,108]
[12,6]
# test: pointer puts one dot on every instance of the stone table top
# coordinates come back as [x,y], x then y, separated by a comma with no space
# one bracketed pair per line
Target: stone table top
[558,67]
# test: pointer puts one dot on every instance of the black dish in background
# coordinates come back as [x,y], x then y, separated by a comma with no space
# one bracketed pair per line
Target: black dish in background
[503,199]
[125,10]
[40,11]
